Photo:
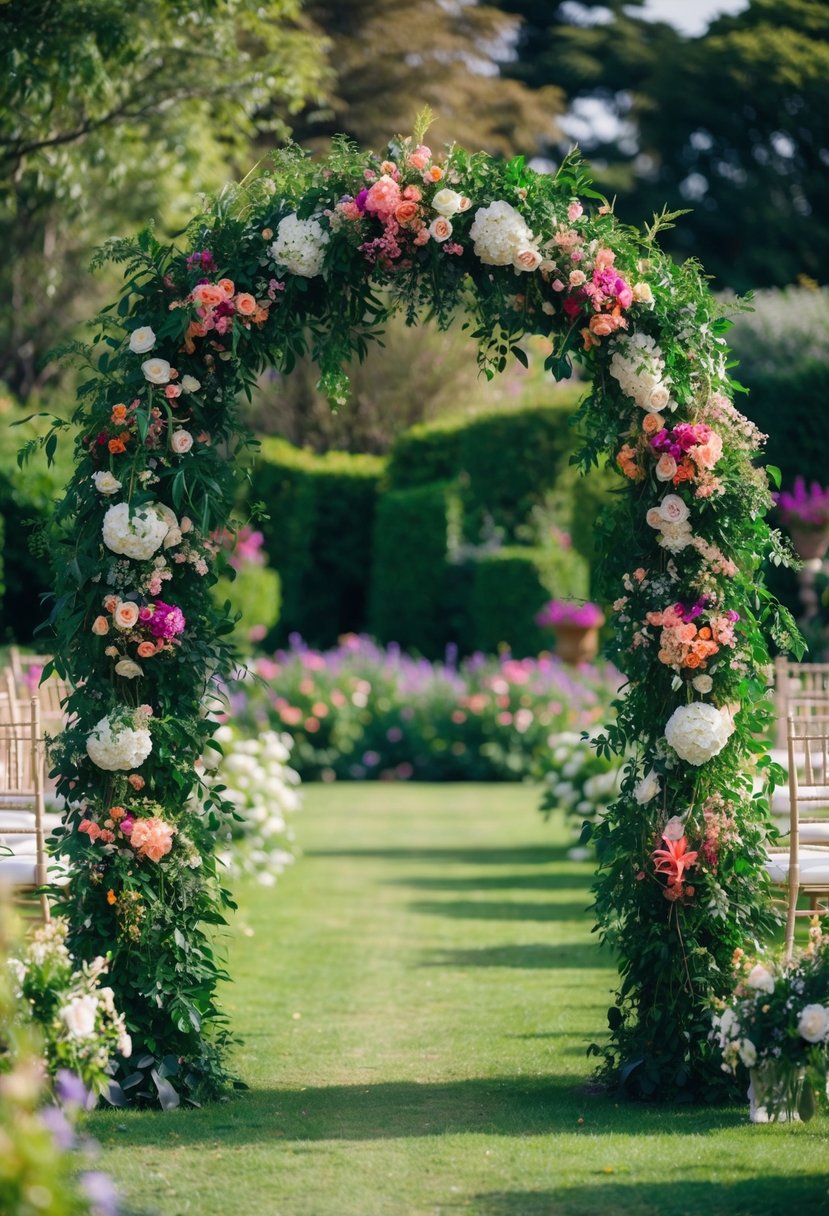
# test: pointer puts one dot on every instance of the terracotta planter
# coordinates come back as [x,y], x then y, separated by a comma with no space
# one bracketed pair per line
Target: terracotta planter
[811,543]
[576,643]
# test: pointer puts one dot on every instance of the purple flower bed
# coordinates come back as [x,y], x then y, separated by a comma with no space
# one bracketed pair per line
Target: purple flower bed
[361,711]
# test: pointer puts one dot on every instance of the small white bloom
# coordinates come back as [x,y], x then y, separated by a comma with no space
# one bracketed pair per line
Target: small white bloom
[106,483]
[447,202]
[157,371]
[813,1025]
[748,1053]
[300,246]
[648,788]
[79,1016]
[760,979]
[128,670]
[189,384]
[703,684]
[142,340]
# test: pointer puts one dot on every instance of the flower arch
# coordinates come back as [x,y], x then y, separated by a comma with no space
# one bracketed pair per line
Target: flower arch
[313,256]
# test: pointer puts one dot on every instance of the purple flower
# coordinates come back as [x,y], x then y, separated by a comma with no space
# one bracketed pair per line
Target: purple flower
[799,506]
[61,1129]
[567,612]
[70,1089]
[101,1192]
[167,620]
[360,200]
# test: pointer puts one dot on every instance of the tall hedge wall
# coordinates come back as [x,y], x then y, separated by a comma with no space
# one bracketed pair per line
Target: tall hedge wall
[505,595]
[319,537]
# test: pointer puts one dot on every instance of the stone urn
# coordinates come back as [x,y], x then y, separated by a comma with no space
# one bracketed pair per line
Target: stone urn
[576,643]
[811,543]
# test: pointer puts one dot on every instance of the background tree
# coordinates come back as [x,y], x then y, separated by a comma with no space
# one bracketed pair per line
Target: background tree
[111,113]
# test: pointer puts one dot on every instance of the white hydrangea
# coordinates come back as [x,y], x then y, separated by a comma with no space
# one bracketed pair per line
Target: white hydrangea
[138,534]
[501,237]
[117,747]
[813,1024]
[698,731]
[300,246]
[637,364]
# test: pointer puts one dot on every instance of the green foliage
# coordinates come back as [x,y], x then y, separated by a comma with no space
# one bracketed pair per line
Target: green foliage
[507,591]
[431,451]
[256,595]
[319,540]
[408,568]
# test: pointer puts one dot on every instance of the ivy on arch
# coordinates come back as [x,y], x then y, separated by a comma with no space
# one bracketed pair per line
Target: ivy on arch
[313,256]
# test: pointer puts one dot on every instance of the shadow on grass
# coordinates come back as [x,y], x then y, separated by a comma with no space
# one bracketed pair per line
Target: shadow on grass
[530,855]
[529,957]
[766,1195]
[501,1106]
[464,909]
[551,881]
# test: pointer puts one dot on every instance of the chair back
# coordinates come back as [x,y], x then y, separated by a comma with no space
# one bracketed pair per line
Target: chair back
[808,748]
[22,780]
[802,683]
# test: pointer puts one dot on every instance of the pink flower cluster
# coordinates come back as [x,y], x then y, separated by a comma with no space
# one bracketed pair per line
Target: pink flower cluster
[683,644]
[688,452]
[589,286]
[217,306]
[164,620]
[568,612]
[150,837]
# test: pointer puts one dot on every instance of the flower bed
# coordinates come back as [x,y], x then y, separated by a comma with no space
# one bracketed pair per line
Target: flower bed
[360,711]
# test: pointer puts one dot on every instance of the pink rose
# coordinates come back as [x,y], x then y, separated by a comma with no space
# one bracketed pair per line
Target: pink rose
[673,509]
[665,467]
[172,391]
[100,626]
[577,277]
[420,158]
[126,614]
[654,518]
[151,838]
[527,259]
[181,442]
[574,210]
[440,229]
[384,197]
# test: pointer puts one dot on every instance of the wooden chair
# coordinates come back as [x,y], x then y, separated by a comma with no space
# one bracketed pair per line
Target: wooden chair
[17,679]
[803,868]
[801,682]
[22,824]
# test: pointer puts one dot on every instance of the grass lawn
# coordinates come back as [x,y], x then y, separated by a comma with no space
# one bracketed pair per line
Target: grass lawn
[415,998]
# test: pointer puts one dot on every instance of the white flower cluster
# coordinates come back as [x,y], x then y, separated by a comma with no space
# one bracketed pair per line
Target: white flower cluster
[502,238]
[728,1034]
[638,365]
[580,782]
[698,731]
[141,533]
[670,519]
[118,746]
[300,246]
[263,790]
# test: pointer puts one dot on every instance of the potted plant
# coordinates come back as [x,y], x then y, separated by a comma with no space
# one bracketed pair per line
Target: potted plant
[776,1024]
[576,626]
[805,512]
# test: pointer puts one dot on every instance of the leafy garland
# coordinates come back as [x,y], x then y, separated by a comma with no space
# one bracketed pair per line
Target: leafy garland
[314,257]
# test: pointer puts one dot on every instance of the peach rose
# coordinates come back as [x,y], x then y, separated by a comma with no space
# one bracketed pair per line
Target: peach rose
[172,391]
[100,626]
[126,615]
[440,229]
[420,158]
[207,296]
[181,442]
[652,423]
[119,414]
[654,518]
[406,212]
[527,259]
[152,838]
[227,287]
[665,467]
[434,174]
[601,325]
[145,650]
[245,304]
[413,193]
[136,781]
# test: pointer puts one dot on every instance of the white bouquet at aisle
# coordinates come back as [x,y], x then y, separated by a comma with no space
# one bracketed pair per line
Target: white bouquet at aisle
[121,741]
[262,788]
[502,238]
[140,533]
[699,731]
[300,246]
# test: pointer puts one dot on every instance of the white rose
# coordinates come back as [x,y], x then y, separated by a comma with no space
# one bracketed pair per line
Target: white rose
[79,1016]
[106,483]
[665,468]
[674,829]
[125,1044]
[181,442]
[527,259]
[189,384]
[813,1025]
[125,615]
[440,229]
[642,293]
[447,202]
[647,788]
[748,1053]
[157,371]
[703,684]
[760,979]
[657,399]
[138,535]
[673,510]
[128,670]
[726,1022]
[697,732]
[142,340]
[300,246]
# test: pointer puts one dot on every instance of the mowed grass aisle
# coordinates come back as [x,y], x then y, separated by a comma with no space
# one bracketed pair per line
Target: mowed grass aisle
[415,998]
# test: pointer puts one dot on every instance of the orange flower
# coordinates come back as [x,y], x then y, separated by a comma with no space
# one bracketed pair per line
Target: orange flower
[590,340]
[116,447]
[692,660]
[675,859]
[705,633]
[116,813]
[685,471]
[651,423]
[145,650]
[119,414]
[111,897]
[245,304]
[136,781]
[433,174]
[227,287]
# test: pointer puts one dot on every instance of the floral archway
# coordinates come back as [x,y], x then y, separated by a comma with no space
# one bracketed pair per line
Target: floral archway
[314,256]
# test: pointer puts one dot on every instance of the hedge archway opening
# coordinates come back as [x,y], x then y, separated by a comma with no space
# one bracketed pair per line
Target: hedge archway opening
[314,256]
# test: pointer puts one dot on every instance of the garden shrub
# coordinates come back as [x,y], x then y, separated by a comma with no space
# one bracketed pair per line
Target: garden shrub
[319,537]
[408,584]
[430,451]
[507,591]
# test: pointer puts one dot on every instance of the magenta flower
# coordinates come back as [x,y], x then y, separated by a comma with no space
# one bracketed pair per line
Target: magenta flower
[799,506]
[569,612]
[167,620]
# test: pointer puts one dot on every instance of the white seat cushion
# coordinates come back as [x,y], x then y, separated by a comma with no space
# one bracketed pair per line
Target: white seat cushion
[17,871]
[814,833]
[814,868]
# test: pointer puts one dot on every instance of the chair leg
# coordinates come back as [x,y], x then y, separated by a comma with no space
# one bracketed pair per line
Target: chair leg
[45,909]
[794,887]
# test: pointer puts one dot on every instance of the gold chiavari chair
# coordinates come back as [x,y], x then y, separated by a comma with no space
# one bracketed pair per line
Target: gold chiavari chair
[23,864]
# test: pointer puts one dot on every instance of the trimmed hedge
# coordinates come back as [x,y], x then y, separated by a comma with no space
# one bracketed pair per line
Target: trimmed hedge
[408,587]
[319,536]
[788,405]
[505,461]
[505,595]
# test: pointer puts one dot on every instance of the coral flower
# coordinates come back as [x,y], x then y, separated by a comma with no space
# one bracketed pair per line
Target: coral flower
[674,859]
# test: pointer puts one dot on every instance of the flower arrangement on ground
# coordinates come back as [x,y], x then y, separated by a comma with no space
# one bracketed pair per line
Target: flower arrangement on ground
[776,1024]
[367,712]
[314,256]
[581,782]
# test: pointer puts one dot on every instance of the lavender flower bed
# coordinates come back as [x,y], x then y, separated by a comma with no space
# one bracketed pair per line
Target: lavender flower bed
[361,711]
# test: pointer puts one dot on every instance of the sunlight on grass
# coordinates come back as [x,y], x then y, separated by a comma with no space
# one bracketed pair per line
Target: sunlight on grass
[415,1000]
